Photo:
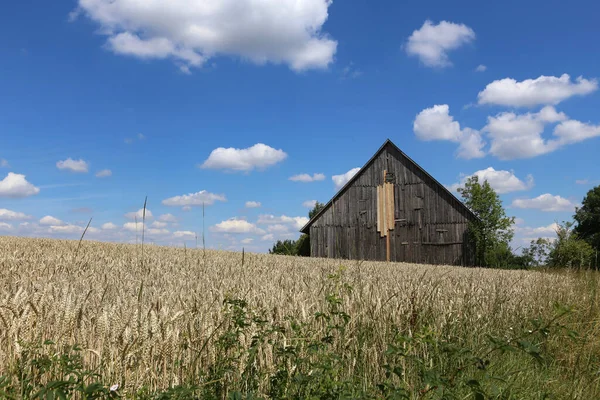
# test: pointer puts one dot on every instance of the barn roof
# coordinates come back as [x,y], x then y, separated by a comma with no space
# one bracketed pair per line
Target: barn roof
[388,142]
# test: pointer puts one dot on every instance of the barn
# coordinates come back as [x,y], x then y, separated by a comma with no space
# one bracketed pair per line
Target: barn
[393,210]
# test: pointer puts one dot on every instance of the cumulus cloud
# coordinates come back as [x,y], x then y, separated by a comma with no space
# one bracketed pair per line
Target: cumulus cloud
[16,186]
[157,231]
[105,173]
[78,166]
[268,237]
[545,202]
[5,226]
[194,199]
[307,178]
[582,181]
[9,215]
[184,234]
[436,123]
[259,156]
[501,181]
[253,204]
[139,214]
[167,218]
[521,135]
[158,224]
[309,203]
[341,180]
[235,225]
[109,226]
[542,231]
[132,226]
[544,90]
[247,240]
[68,229]
[190,32]
[296,222]
[431,43]
[481,68]
[50,220]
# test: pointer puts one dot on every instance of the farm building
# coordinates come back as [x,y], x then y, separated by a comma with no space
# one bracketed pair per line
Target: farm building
[392,209]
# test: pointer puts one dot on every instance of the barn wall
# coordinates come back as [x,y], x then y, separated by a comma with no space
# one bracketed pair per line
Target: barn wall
[430,224]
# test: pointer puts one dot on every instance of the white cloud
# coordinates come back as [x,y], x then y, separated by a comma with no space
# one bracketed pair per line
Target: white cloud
[190,32]
[307,178]
[431,43]
[4,163]
[253,204]
[139,214]
[109,226]
[540,91]
[247,241]
[501,181]
[141,136]
[545,202]
[16,186]
[79,166]
[50,220]
[186,208]
[158,224]
[520,135]
[278,228]
[167,218]
[582,181]
[157,231]
[268,238]
[235,225]
[259,156]
[341,180]
[480,68]
[9,215]
[103,173]
[436,123]
[194,199]
[296,222]
[573,131]
[184,234]
[542,231]
[66,229]
[5,226]
[133,227]
[309,203]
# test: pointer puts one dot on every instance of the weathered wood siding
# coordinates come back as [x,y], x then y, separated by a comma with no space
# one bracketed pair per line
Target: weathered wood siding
[430,224]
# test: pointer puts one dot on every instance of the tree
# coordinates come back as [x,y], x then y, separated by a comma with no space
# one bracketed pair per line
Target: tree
[492,231]
[536,255]
[569,250]
[588,218]
[300,247]
[316,209]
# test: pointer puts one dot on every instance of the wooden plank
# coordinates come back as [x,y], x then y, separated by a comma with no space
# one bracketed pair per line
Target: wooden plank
[378,209]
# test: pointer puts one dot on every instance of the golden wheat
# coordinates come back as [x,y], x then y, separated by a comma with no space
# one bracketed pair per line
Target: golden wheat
[142,319]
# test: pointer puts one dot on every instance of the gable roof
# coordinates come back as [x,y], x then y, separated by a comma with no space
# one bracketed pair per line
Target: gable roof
[388,142]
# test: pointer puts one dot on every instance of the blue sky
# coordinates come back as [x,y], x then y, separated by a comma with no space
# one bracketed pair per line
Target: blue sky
[224,101]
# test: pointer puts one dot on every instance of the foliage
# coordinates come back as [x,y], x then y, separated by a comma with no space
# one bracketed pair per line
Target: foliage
[44,372]
[536,255]
[588,218]
[284,247]
[316,209]
[492,231]
[569,250]
[300,247]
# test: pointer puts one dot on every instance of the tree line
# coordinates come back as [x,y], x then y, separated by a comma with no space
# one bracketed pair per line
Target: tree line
[576,245]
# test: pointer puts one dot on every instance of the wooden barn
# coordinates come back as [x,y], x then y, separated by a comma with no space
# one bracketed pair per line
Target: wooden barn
[392,209]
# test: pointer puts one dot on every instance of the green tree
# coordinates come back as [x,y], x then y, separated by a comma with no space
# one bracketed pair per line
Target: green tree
[316,209]
[588,218]
[300,247]
[569,251]
[285,247]
[492,231]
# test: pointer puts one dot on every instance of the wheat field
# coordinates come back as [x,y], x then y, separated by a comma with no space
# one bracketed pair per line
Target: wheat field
[148,315]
